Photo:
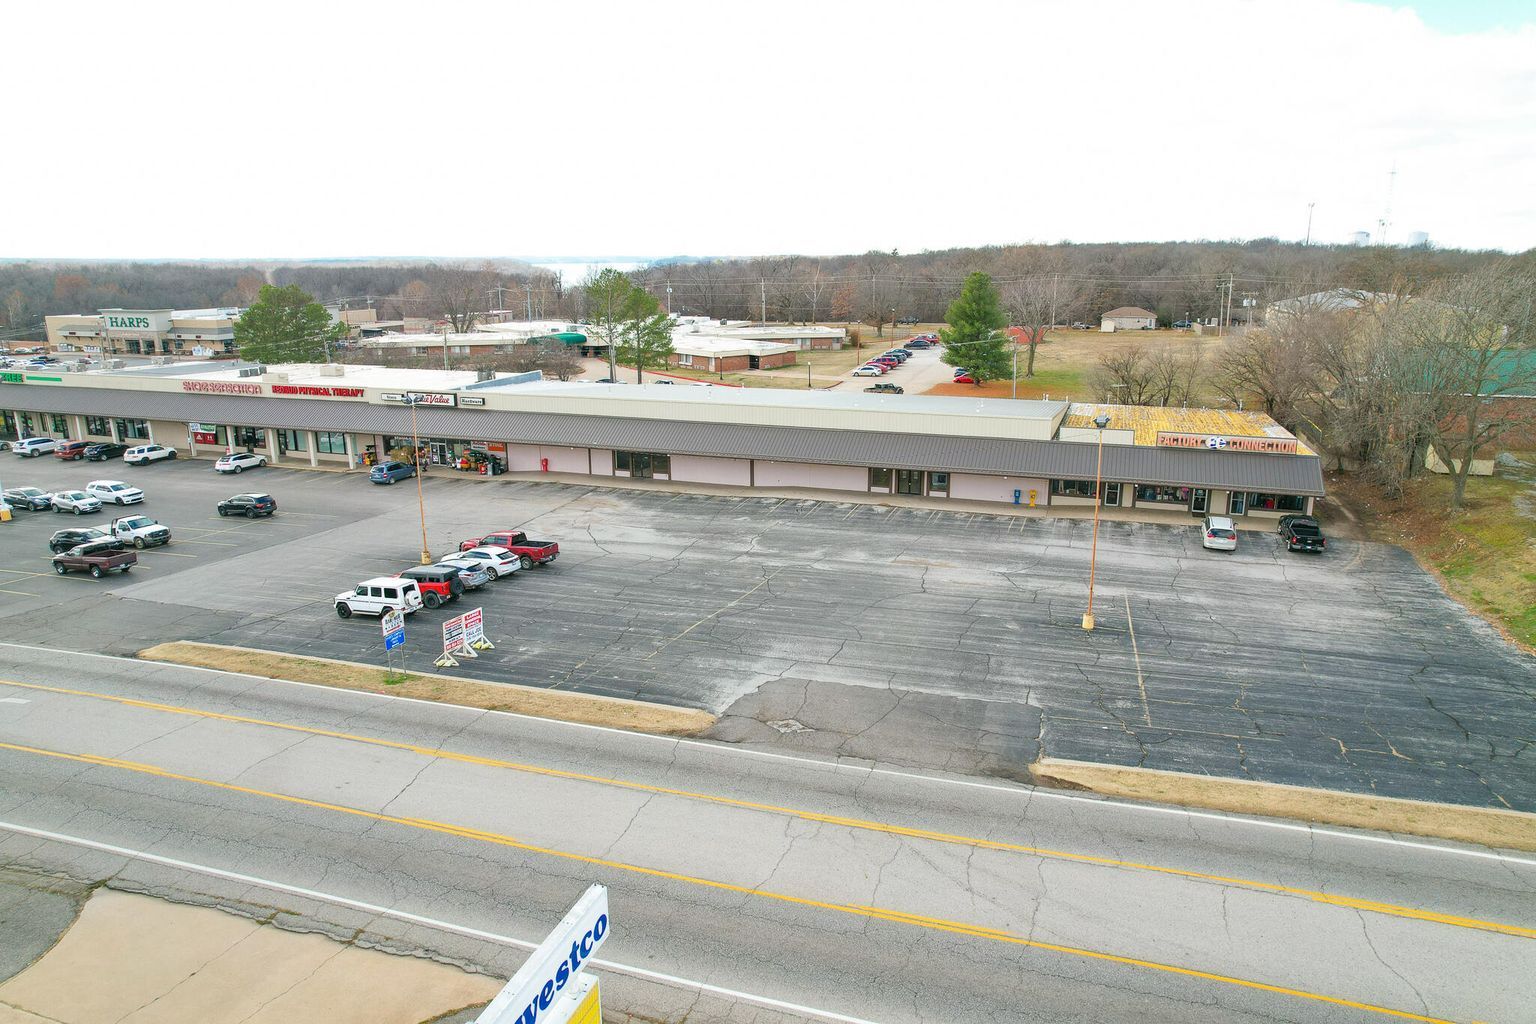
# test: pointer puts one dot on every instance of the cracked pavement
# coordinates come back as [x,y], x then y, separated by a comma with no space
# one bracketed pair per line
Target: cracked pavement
[935,639]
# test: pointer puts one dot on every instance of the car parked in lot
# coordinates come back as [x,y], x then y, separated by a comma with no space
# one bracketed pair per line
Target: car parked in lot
[899,354]
[64,540]
[104,451]
[379,595]
[498,562]
[140,531]
[1080,326]
[115,491]
[70,451]
[439,583]
[248,505]
[868,371]
[1302,533]
[389,472]
[96,557]
[32,447]
[27,499]
[1218,533]
[472,572]
[887,389]
[77,502]
[144,454]
[963,378]
[1182,325]
[239,462]
[917,345]
[528,552]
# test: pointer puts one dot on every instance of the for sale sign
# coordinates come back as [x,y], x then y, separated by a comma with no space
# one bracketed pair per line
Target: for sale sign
[474,631]
[454,642]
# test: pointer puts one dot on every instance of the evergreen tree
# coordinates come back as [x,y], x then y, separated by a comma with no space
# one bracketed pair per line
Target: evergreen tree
[607,293]
[645,333]
[287,325]
[974,337]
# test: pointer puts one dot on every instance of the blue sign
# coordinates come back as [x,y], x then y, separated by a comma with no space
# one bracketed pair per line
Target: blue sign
[393,640]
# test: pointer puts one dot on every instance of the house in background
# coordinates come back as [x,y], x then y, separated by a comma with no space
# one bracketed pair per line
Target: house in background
[1128,318]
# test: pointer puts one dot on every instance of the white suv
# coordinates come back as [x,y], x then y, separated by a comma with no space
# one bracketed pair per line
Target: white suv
[144,454]
[115,491]
[32,447]
[238,462]
[379,595]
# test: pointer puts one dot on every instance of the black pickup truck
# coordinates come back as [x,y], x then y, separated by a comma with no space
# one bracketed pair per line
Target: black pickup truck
[1302,533]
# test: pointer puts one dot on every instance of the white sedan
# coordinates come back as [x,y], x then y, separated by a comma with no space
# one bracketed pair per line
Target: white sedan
[868,371]
[239,462]
[497,561]
[115,491]
[76,502]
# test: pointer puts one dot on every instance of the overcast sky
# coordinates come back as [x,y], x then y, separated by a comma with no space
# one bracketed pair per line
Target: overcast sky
[651,129]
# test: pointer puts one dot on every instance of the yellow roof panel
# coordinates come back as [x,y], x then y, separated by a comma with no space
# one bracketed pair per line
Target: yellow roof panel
[1148,420]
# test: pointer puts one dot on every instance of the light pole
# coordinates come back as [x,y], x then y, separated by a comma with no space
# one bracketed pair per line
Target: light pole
[421,502]
[1101,421]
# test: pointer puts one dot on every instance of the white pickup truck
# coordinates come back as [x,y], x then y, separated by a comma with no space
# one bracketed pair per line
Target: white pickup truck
[140,531]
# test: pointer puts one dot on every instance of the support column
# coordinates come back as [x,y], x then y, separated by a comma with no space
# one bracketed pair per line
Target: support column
[112,429]
[272,449]
[351,450]
[191,442]
[79,432]
[314,459]
[149,428]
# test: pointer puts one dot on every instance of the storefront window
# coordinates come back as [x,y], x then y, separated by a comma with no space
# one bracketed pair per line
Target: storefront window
[1166,495]
[250,437]
[293,440]
[938,483]
[134,430]
[880,479]
[60,424]
[1258,502]
[1072,488]
[332,442]
[97,426]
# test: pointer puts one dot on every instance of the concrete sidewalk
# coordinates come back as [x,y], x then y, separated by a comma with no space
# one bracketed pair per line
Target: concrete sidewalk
[131,959]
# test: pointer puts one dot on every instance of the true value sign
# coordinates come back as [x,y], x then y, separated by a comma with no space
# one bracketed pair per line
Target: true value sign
[550,989]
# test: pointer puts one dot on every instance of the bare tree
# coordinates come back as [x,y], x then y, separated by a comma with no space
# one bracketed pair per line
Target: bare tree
[1032,304]
[814,289]
[460,294]
[1470,341]
[1136,375]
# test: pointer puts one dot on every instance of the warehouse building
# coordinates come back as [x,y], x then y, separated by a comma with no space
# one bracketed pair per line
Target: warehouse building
[1036,453]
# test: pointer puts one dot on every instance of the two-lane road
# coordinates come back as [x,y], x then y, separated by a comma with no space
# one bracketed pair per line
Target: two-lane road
[874,894]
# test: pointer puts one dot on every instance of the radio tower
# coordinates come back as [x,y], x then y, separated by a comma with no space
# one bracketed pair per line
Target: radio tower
[1386,214]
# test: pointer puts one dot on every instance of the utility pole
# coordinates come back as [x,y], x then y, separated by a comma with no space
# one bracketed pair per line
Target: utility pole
[762,288]
[1053,299]
[669,297]
[528,292]
[445,347]
[1309,223]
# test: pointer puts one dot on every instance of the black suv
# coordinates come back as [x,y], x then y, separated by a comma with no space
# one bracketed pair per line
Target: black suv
[887,389]
[104,451]
[248,505]
[65,540]
[1302,533]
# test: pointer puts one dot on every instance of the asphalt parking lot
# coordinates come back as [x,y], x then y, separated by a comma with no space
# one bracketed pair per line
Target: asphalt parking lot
[928,637]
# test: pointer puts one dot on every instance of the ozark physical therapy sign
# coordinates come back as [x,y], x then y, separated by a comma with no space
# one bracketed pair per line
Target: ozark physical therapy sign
[550,988]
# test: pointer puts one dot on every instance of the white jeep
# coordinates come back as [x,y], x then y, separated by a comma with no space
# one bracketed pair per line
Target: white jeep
[379,595]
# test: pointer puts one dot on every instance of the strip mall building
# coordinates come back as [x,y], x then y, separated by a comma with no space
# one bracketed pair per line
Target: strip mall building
[1040,453]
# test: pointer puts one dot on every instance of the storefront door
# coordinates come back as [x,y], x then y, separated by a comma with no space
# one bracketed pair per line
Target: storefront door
[440,454]
[1112,493]
[1199,499]
[640,465]
[909,481]
[1237,504]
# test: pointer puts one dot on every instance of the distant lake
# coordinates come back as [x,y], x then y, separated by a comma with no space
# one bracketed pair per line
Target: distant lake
[575,273]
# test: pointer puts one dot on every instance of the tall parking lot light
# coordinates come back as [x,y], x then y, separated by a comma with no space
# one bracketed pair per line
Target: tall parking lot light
[1101,422]
[421,502]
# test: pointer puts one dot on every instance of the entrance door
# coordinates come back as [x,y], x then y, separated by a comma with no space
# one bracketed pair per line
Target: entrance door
[909,481]
[439,453]
[1112,493]
[1199,498]
[640,465]
[1237,504]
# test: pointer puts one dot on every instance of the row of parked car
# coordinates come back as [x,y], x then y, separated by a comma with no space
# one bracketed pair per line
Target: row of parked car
[479,561]
[1297,532]
[133,455]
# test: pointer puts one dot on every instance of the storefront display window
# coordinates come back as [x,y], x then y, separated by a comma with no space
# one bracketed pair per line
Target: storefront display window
[1072,488]
[293,440]
[97,426]
[1165,495]
[332,442]
[1258,502]
[880,479]
[60,424]
[250,437]
[135,430]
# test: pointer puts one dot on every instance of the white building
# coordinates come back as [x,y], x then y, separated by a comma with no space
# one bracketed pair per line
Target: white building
[1128,318]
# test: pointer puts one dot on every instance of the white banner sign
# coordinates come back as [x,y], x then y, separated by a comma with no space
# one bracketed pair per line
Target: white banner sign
[555,965]
[392,620]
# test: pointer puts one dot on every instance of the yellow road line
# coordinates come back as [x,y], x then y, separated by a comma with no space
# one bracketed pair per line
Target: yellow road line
[1412,913]
[877,913]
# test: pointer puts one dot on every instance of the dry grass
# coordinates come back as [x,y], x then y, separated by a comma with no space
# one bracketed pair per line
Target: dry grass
[1483,826]
[587,709]
[1484,555]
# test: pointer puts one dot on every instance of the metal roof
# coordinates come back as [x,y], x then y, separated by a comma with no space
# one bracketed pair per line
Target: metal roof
[1066,460]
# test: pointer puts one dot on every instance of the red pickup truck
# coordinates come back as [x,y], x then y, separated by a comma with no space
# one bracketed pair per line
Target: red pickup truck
[528,551]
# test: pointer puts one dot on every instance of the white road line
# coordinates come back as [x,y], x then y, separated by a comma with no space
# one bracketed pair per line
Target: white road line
[401,915]
[1033,792]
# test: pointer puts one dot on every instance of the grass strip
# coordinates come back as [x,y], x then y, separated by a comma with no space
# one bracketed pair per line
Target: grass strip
[584,708]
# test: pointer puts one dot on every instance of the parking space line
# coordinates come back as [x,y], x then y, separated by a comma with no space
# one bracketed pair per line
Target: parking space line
[211,543]
[22,593]
[1141,684]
